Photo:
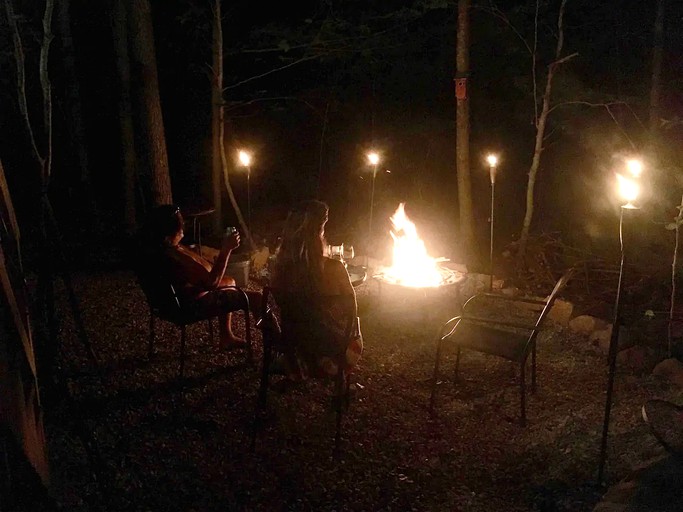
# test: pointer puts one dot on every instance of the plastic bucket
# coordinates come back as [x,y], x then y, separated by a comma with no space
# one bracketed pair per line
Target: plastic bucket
[239,271]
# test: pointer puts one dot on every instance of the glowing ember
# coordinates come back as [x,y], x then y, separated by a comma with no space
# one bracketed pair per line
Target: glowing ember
[411,265]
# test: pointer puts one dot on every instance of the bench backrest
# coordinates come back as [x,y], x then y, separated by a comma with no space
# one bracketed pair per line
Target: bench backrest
[559,286]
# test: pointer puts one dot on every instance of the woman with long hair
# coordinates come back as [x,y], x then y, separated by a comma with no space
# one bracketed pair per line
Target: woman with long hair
[315,294]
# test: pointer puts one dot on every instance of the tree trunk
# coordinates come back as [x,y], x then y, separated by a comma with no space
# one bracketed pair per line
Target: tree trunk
[217,117]
[74,116]
[141,36]
[120,32]
[657,53]
[540,135]
[463,132]
[217,95]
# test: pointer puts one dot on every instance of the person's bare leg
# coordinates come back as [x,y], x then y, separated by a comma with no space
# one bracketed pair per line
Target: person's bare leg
[226,337]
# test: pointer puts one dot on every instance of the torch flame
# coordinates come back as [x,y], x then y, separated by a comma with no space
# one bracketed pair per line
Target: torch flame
[411,265]
[628,188]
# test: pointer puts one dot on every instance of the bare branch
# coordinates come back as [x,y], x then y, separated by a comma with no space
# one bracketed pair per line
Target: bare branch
[587,104]
[236,105]
[270,72]
[497,13]
[563,59]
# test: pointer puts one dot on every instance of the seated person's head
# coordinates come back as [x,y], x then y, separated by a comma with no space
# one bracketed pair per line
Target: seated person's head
[305,226]
[301,252]
[163,226]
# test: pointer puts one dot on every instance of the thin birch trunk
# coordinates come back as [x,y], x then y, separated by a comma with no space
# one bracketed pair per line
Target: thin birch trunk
[220,123]
[46,89]
[540,135]
[674,265]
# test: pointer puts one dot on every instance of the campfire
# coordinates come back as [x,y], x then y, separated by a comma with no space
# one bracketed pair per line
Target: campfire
[411,265]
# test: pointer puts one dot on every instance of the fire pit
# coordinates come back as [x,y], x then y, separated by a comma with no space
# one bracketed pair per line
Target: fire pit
[447,277]
[413,270]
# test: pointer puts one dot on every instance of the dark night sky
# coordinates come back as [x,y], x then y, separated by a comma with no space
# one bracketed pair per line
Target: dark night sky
[393,91]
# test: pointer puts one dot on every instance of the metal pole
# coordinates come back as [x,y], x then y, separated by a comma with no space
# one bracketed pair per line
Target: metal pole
[493,195]
[249,197]
[372,202]
[613,347]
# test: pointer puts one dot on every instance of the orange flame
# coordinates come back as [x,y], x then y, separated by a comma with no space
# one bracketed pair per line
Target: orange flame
[411,265]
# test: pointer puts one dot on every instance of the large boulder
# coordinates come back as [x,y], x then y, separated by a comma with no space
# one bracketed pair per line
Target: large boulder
[586,324]
[561,312]
[601,339]
[638,358]
[670,369]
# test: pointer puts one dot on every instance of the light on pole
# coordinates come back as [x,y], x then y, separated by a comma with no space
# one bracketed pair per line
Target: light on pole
[245,160]
[629,190]
[493,163]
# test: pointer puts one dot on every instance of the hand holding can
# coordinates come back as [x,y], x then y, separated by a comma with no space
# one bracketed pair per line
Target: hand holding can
[232,238]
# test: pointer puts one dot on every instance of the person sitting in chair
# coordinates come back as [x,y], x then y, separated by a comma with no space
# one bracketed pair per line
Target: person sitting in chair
[315,296]
[198,283]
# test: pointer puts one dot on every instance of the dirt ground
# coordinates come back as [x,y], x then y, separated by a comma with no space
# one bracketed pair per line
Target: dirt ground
[130,440]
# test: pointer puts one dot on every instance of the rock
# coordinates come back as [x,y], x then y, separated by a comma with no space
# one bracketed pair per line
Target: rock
[638,358]
[601,339]
[561,312]
[586,324]
[652,486]
[671,369]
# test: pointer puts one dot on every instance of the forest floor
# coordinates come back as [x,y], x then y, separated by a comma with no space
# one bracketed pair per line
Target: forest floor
[130,440]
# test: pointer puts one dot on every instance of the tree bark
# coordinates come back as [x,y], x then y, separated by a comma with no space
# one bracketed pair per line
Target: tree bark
[141,36]
[657,55]
[463,133]
[127,134]
[74,115]
[217,117]
[540,135]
